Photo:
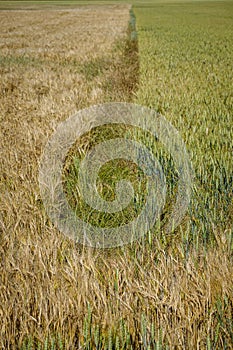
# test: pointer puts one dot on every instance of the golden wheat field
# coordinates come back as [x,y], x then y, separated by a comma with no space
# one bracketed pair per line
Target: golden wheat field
[50,63]
[55,294]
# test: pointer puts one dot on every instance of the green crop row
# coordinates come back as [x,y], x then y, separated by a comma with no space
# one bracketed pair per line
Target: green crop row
[186,75]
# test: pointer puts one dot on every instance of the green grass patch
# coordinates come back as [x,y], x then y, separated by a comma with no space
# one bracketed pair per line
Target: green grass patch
[186,74]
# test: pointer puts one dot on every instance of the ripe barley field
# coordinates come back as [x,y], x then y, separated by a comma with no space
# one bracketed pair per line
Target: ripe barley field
[160,292]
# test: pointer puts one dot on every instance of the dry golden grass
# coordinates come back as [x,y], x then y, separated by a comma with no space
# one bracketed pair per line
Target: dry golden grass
[82,33]
[54,63]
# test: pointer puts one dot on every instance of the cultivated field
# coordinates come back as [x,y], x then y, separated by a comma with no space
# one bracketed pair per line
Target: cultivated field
[162,292]
[186,74]
[52,64]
